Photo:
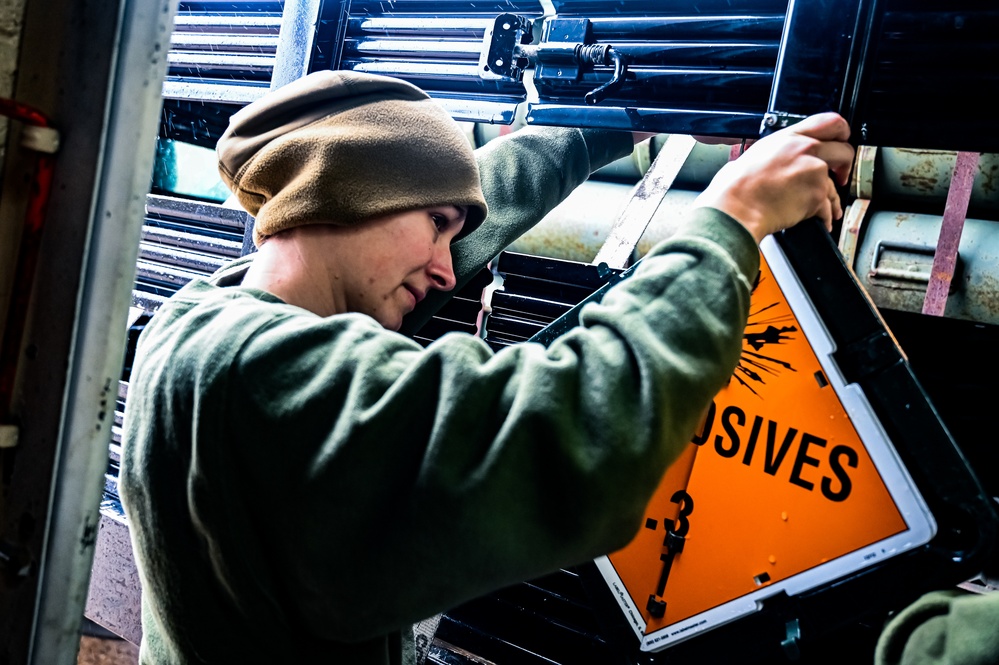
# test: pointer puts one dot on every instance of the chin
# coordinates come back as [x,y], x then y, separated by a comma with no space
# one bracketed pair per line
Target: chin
[394,324]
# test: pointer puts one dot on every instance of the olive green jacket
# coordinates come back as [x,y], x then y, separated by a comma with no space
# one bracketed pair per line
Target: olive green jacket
[943,628]
[302,489]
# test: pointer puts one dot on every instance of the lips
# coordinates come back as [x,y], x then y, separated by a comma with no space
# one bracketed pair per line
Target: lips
[417,294]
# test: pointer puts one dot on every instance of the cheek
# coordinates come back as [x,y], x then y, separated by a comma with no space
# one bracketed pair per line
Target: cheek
[416,256]
[392,261]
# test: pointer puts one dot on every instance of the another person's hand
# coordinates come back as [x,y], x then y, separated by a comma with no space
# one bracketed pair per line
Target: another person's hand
[784,178]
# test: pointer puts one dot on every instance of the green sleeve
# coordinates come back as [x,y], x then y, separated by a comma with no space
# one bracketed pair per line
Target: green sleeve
[524,176]
[411,480]
[943,628]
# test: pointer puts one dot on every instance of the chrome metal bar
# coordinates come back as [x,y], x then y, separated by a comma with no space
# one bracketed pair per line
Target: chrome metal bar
[296,41]
[220,23]
[419,48]
[235,61]
[197,242]
[166,275]
[402,68]
[224,43]
[438,27]
[184,209]
[689,27]
[195,262]
[232,92]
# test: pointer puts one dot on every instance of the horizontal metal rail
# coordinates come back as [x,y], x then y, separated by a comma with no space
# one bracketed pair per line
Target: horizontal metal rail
[415,70]
[192,241]
[183,209]
[225,43]
[235,63]
[169,276]
[718,27]
[173,258]
[423,48]
[421,25]
[222,90]
[255,24]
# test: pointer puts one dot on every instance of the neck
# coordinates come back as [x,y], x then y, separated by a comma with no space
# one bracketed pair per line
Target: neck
[283,267]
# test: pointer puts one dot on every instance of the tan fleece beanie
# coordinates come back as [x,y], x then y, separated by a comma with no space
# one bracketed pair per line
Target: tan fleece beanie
[341,147]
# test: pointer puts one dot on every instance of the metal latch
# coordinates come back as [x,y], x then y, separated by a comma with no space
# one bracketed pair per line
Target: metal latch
[905,271]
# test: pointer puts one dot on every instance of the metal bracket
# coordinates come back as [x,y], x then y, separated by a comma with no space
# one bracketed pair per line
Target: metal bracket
[790,643]
[775,120]
[502,56]
[564,53]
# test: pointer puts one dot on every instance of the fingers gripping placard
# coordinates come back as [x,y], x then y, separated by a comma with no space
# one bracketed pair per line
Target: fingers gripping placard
[789,484]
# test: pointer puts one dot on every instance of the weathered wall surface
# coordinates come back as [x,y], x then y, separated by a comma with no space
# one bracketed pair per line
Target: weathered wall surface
[11,17]
[11,20]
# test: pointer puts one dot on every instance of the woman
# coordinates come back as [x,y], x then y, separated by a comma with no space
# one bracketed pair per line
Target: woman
[303,482]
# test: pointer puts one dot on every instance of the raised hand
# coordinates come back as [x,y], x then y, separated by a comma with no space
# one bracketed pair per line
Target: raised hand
[784,178]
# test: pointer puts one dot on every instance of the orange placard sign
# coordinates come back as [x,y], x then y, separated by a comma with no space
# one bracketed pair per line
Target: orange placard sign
[777,483]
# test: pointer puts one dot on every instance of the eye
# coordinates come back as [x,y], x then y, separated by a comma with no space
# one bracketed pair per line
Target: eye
[440,221]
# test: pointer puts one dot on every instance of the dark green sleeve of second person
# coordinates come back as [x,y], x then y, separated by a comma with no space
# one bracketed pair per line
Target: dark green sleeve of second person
[943,628]
[524,176]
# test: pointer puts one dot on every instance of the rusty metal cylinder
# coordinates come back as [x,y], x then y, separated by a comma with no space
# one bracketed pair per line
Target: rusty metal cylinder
[895,255]
[896,248]
[921,178]
[578,227]
[698,170]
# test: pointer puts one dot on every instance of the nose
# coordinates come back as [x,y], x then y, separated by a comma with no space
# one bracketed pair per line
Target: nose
[440,269]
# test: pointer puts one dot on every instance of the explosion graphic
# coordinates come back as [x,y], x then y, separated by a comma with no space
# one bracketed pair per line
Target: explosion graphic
[762,329]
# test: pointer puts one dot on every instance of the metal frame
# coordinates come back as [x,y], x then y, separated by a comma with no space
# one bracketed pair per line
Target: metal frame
[81,297]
